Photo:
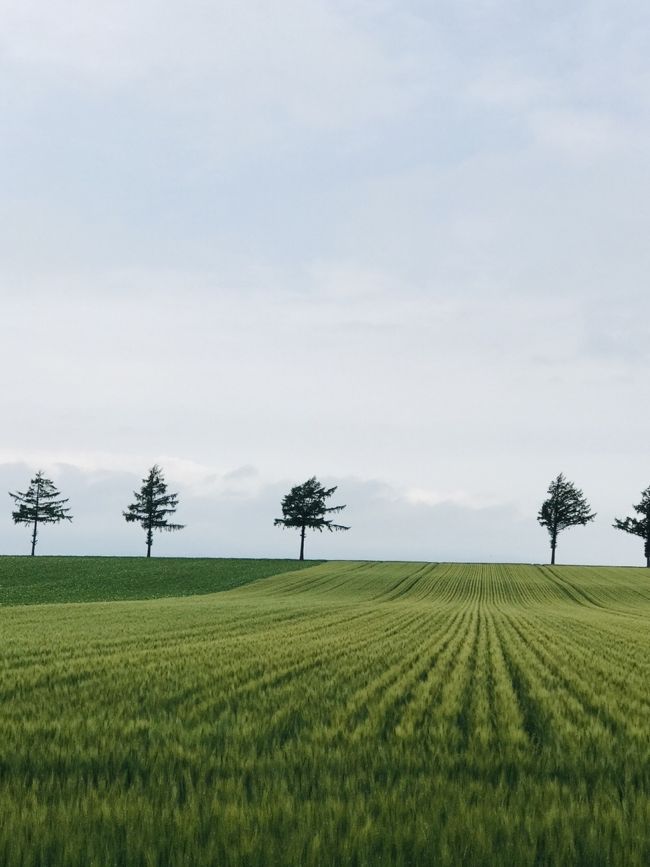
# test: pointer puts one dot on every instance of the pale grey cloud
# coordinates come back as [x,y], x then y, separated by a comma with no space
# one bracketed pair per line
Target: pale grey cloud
[387,241]
[386,522]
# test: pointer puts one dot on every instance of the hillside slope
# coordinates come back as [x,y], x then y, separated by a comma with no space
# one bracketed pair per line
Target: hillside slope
[347,714]
[37,580]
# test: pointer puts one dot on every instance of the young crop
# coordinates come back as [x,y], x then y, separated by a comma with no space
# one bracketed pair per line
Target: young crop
[358,713]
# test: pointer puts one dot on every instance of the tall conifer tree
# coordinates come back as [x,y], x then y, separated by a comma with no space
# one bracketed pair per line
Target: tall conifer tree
[41,503]
[565,507]
[639,526]
[153,506]
[304,508]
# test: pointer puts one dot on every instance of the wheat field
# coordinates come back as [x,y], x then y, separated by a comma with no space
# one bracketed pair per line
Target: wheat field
[348,713]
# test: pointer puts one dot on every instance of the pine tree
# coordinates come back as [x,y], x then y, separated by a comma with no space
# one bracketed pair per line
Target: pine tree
[41,503]
[304,507]
[639,526]
[565,507]
[153,506]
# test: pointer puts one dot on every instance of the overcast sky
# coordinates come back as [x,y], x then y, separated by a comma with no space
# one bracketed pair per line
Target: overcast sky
[403,246]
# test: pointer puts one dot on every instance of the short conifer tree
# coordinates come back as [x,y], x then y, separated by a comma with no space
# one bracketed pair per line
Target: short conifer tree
[639,526]
[41,503]
[153,506]
[565,507]
[304,508]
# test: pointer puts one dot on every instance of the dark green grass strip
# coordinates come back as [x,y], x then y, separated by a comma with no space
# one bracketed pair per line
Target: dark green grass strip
[34,580]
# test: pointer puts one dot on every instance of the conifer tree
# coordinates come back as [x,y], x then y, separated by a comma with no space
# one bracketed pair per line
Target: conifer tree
[639,526]
[304,507]
[153,506]
[565,507]
[41,503]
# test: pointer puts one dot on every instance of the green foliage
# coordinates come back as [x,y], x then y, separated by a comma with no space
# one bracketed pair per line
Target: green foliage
[565,507]
[24,581]
[153,506]
[349,713]
[41,503]
[639,526]
[305,508]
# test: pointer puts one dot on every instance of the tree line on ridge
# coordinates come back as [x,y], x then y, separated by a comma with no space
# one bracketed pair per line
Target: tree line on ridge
[303,508]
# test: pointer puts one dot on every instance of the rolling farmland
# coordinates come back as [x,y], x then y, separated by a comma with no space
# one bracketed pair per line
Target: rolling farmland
[357,713]
[27,581]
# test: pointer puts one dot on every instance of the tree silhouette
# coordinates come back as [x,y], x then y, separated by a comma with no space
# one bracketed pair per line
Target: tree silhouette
[153,506]
[304,508]
[639,526]
[565,507]
[41,503]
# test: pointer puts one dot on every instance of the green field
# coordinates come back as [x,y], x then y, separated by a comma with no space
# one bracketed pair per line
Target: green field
[34,580]
[348,713]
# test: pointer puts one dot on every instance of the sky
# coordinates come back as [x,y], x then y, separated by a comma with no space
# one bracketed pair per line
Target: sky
[401,246]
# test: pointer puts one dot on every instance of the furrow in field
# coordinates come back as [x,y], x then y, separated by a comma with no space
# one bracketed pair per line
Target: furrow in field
[626,590]
[314,581]
[554,713]
[567,646]
[277,690]
[568,704]
[442,586]
[365,714]
[365,581]
[389,668]
[573,591]
[478,714]
[386,657]
[459,697]
[618,634]
[421,715]
[590,676]
[134,629]
[332,649]
[396,696]
[532,699]
[405,584]
[95,666]
[448,725]
[508,719]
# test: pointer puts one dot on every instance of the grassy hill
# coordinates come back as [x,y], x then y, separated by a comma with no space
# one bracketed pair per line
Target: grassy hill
[349,713]
[35,580]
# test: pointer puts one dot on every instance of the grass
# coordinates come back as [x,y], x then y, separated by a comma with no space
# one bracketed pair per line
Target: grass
[350,713]
[36,580]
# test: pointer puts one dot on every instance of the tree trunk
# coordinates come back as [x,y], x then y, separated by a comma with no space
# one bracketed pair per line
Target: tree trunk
[38,497]
[302,543]
[149,542]
[553,546]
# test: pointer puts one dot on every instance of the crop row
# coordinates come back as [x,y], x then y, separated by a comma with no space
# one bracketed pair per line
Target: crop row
[349,713]
[610,588]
